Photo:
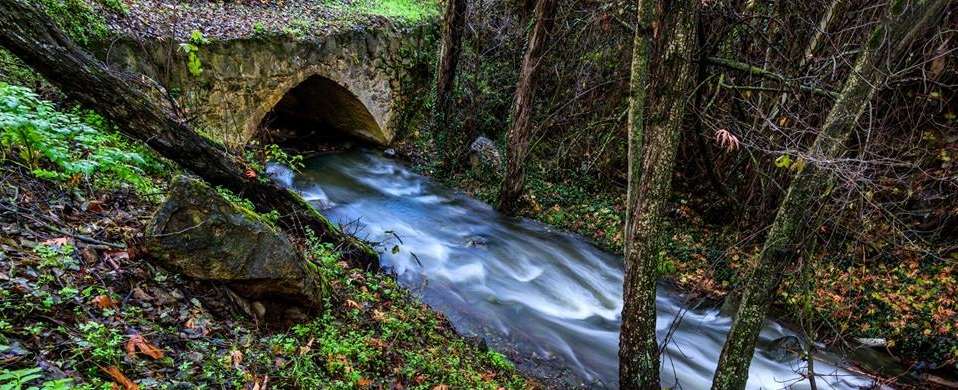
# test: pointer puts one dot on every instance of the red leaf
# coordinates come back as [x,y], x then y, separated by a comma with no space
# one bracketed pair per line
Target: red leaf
[120,379]
[138,343]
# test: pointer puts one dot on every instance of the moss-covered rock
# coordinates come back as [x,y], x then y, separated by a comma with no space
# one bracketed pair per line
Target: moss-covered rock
[201,234]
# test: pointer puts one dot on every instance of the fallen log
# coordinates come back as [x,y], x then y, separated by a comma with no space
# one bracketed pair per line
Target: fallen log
[30,34]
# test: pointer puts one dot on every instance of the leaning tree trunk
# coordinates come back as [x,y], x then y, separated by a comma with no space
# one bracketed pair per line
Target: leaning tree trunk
[32,36]
[521,130]
[808,185]
[451,143]
[662,74]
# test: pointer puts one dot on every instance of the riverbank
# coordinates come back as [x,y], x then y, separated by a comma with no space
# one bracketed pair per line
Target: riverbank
[81,306]
[911,317]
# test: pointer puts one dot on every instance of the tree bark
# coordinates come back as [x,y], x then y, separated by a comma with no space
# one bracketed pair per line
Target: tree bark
[451,144]
[521,130]
[663,69]
[783,242]
[32,36]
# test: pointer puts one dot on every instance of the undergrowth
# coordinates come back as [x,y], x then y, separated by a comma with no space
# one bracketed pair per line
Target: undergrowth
[71,147]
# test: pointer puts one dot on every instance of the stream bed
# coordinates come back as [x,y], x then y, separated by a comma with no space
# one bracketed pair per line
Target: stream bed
[548,299]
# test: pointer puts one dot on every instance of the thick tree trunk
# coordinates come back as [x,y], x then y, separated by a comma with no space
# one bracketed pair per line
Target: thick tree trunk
[451,143]
[663,70]
[783,242]
[521,130]
[30,34]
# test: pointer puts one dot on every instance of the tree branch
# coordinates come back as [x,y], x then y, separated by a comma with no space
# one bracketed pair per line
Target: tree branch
[754,70]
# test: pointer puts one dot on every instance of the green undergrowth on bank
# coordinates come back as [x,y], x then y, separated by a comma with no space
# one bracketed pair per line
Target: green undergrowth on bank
[75,146]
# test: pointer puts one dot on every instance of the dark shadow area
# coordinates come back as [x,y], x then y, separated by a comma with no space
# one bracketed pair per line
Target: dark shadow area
[318,112]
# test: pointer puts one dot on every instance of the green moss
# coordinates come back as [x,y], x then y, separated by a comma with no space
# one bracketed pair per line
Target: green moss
[78,19]
[247,207]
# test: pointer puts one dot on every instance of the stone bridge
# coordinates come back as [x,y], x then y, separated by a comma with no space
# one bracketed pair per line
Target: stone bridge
[353,83]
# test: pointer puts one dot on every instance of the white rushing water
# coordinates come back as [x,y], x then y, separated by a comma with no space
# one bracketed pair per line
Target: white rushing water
[549,299]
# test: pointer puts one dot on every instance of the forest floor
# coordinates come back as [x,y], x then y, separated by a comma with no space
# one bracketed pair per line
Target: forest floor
[241,19]
[81,307]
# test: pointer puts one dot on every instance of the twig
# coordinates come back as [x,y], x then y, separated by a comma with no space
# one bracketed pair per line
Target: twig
[49,226]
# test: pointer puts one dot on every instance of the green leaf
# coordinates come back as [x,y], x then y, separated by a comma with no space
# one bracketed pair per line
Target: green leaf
[783,161]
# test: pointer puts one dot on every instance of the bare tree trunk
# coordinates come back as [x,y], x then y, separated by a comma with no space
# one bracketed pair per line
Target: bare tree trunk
[30,34]
[663,70]
[451,143]
[521,130]
[808,185]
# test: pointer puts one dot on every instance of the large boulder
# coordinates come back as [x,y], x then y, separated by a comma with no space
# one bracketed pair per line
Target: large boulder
[199,233]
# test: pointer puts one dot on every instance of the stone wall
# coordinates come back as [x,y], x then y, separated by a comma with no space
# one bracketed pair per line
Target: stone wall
[243,79]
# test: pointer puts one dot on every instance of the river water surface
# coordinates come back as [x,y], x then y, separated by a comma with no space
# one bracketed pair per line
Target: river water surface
[547,298]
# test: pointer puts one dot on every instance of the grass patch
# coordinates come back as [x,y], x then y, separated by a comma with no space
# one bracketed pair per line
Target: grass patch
[406,10]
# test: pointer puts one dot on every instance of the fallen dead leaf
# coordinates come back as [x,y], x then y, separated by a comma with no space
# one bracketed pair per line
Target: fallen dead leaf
[104,302]
[237,358]
[376,343]
[118,255]
[141,295]
[94,206]
[138,343]
[58,242]
[440,387]
[351,303]
[260,383]
[364,383]
[120,379]
[308,347]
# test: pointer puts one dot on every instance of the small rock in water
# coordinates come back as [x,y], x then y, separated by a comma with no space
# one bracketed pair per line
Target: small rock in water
[473,242]
[389,152]
[785,347]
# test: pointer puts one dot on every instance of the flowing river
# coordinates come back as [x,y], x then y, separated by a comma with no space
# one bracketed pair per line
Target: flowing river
[547,298]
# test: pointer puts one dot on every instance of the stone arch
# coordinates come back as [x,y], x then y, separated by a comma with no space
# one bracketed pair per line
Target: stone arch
[312,104]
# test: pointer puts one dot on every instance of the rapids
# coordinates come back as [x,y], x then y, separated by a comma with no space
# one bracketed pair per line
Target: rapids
[548,299]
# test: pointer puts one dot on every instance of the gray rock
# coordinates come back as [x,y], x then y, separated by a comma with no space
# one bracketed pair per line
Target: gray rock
[872,342]
[483,151]
[202,235]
